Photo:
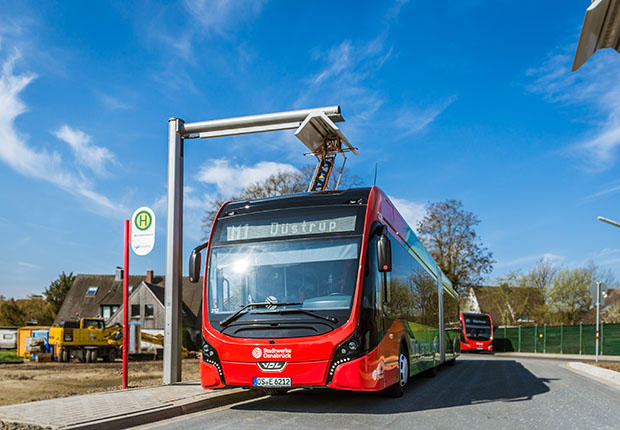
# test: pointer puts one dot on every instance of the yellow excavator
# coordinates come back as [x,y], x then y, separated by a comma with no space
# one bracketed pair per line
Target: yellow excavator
[86,339]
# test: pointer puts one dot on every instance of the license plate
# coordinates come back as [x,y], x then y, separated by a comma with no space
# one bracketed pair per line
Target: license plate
[272,382]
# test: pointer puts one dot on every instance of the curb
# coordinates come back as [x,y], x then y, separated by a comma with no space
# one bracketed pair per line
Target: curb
[605,376]
[558,357]
[182,407]
[174,409]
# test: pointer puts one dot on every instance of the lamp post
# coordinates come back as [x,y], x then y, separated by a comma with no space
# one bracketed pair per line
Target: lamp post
[598,287]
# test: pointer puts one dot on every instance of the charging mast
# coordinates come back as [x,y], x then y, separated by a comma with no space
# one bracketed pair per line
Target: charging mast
[314,127]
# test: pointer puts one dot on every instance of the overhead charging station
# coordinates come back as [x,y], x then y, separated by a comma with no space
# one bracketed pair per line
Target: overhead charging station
[315,128]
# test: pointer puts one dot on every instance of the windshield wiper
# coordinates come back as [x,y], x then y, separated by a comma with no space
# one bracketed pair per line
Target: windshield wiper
[245,309]
[301,311]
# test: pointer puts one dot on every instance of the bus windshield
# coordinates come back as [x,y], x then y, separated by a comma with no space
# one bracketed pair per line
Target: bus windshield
[316,273]
[477,327]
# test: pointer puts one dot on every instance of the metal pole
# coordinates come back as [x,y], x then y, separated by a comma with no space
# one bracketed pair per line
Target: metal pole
[545,339]
[519,339]
[561,338]
[255,123]
[174,247]
[602,338]
[580,336]
[535,338]
[126,302]
[598,306]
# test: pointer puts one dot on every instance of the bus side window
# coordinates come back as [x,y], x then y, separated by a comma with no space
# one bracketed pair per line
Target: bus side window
[371,296]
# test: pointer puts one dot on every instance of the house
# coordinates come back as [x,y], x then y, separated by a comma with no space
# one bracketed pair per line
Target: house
[101,296]
[94,296]
[612,299]
[146,306]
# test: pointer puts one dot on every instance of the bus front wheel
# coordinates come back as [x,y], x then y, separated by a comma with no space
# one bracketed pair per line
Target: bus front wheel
[398,389]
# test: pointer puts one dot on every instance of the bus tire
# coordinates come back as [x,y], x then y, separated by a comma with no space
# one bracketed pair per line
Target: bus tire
[64,355]
[59,356]
[93,356]
[88,356]
[398,389]
[275,391]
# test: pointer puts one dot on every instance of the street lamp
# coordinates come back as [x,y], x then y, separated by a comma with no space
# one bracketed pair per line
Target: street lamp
[608,221]
[599,293]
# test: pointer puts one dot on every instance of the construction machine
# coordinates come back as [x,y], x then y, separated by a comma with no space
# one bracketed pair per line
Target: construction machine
[86,339]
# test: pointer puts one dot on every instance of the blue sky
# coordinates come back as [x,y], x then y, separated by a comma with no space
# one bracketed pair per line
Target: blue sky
[473,101]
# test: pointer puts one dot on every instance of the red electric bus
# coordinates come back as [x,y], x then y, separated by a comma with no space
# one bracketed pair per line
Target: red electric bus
[476,332]
[326,289]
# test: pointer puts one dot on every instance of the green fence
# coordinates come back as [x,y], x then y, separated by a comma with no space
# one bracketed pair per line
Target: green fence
[562,339]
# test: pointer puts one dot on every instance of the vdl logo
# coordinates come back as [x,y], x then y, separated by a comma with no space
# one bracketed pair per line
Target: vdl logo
[143,220]
[257,353]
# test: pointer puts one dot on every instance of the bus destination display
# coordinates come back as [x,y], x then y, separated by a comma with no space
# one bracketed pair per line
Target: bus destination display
[270,229]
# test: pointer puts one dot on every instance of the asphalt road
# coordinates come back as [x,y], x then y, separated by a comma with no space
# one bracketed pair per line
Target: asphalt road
[481,391]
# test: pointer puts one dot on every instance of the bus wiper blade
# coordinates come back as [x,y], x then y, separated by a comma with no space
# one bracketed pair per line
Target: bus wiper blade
[245,309]
[302,311]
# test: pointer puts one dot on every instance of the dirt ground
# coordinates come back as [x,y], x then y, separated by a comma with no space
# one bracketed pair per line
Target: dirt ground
[610,366]
[28,382]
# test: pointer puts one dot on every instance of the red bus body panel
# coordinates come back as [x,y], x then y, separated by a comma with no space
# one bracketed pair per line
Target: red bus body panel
[309,358]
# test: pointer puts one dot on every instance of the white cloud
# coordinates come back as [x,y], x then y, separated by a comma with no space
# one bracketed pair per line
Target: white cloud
[222,16]
[39,164]
[411,211]
[91,156]
[113,103]
[595,85]
[414,120]
[553,258]
[229,178]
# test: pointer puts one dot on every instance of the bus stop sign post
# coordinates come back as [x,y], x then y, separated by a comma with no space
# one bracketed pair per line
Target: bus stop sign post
[178,131]
[126,301]
[142,240]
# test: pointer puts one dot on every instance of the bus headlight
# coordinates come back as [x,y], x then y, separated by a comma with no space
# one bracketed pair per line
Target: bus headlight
[346,351]
[209,355]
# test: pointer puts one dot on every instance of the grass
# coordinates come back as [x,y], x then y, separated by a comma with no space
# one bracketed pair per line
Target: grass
[9,355]
[606,365]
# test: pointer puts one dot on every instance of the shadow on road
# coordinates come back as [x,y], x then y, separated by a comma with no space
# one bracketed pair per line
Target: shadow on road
[469,382]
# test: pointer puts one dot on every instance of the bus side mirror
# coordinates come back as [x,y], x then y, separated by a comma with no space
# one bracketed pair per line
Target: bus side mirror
[384,254]
[194,263]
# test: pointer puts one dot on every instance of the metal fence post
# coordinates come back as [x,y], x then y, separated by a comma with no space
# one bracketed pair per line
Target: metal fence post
[561,338]
[602,338]
[580,336]
[519,339]
[545,339]
[535,338]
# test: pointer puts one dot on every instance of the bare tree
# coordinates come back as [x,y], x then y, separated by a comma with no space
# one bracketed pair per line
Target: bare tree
[448,232]
[280,183]
[569,296]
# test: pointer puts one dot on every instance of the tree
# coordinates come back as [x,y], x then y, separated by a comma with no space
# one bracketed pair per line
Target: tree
[11,314]
[612,316]
[280,183]
[448,232]
[569,296]
[57,291]
[540,276]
